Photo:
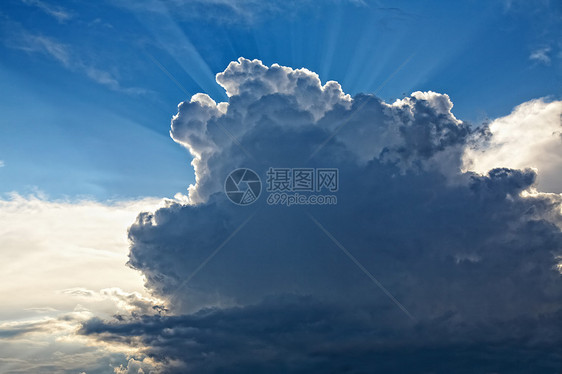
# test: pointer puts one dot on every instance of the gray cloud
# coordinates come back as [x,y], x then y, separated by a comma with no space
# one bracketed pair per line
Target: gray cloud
[299,335]
[473,257]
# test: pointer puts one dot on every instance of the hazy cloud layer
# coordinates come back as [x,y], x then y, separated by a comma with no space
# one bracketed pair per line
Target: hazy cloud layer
[472,257]
[63,263]
[83,243]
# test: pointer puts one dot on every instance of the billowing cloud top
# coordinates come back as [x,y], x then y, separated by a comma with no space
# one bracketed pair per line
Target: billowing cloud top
[265,100]
[472,259]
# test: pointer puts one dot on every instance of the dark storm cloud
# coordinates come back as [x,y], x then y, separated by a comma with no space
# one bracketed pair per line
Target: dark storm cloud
[471,257]
[290,334]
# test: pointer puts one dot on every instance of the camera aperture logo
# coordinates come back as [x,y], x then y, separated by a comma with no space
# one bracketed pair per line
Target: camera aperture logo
[286,186]
[243,186]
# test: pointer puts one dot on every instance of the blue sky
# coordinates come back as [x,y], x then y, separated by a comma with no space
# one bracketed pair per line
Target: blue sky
[440,250]
[87,97]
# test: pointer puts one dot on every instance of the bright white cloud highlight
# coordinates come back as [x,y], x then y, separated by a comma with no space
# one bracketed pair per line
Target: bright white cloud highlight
[529,137]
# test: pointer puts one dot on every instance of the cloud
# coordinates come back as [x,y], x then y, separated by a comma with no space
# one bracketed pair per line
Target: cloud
[541,55]
[473,257]
[293,334]
[50,344]
[2,164]
[63,263]
[50,246]
[107,79]
[137,366]
[295,99]
[224,11]
[42,309]
[125,302]
[41,44]
[57,12]
[529,137]
[19,38]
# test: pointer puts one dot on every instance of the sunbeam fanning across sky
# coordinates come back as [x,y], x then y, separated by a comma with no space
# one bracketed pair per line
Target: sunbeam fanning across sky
[169,37]
[297,186]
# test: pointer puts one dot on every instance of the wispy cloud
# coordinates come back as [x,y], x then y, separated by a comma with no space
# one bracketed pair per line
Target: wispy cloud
[66,56]
[41,44]
[107,79]
[224,11]
[57,12]
[541,55]
[2,164]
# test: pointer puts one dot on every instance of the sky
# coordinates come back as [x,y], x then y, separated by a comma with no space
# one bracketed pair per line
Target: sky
[122,67]
[441,249]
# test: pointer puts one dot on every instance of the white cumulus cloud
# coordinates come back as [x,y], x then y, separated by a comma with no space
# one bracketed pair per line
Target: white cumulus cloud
[529,137]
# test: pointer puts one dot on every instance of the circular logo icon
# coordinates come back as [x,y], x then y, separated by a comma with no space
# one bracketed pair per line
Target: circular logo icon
[242,186]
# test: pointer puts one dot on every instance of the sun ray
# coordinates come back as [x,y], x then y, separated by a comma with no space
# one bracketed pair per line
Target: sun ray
[172,39]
